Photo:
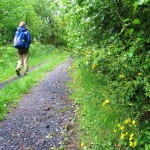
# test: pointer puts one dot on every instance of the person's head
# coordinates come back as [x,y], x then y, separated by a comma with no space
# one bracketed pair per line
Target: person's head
[22,24]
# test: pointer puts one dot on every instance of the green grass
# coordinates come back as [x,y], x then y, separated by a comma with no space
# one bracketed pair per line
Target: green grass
[95,121]
[100,112]
[11,93]
[37,54]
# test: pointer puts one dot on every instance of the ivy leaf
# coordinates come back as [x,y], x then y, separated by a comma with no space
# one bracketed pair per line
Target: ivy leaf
[136,21]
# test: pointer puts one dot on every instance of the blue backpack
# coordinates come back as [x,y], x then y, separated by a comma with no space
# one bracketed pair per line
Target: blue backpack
[20,40]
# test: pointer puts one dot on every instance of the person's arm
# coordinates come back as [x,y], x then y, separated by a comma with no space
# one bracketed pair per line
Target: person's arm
[29,37]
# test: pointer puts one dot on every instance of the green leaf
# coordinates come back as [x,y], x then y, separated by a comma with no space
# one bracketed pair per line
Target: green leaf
[141,2]
[136,21]
[146,1]
[130,31]
[126,20]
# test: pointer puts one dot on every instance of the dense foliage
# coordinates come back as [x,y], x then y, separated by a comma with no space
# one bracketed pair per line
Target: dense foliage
[40,16]
[111,39]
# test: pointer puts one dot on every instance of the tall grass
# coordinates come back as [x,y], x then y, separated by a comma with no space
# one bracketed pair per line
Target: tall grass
[8,60]
[96,122]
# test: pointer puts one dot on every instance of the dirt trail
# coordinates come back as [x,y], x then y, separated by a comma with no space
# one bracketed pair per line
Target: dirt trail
[44,120]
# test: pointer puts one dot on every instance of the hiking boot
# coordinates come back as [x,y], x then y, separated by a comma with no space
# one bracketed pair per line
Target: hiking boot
[18,72]
[24,74]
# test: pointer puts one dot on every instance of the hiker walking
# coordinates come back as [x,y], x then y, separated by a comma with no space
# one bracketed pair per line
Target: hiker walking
[22,42]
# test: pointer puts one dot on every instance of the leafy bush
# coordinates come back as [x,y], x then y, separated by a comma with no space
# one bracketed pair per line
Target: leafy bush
[111,39]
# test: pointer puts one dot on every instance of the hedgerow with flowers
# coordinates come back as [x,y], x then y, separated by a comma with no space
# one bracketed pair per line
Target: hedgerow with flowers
[128,133]
[111,41]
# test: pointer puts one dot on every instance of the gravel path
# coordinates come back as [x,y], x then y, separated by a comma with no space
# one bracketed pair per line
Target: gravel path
[44,120]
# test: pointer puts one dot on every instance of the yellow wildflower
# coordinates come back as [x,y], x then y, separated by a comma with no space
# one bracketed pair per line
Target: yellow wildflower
[119,125]
[128,121]
[131,134]
[82,144]
[122,128]
[105,102]
[131,137]
[122,136]
[135,144]
[126,133]
[134,122]
[115,131]
[131,144]
[94,66]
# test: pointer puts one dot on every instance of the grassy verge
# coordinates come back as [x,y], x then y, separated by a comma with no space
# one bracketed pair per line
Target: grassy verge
[8,61]
[105,123]
[11,94]
[88,95]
